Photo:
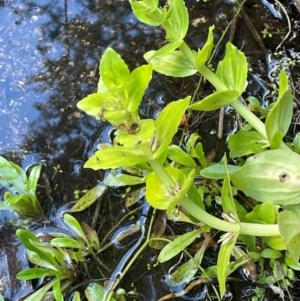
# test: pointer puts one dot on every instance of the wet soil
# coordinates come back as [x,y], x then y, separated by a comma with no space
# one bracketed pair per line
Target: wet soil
[49,54]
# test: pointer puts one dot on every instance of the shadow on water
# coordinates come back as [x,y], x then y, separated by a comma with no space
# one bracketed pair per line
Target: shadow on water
[49,54]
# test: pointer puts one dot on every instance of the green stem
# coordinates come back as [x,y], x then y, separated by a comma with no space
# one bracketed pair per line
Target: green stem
[216,223]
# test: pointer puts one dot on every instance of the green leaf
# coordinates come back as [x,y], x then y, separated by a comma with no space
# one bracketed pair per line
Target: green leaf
[175,153]
[34,177]
[139,80]
[223,263]
[215,101]
[27,238]
[92,104]
[267,212]
[241,143]
[280,116]
[232,70]
[148,12]
[35,273]
[296,143]
[157,194]
[217,171]
[173,64]
[96,292]
[166,49]
[89,198]
[140,137]
[75,227]
[204,54]
[179,244]
[228,204]
[289,227]
[184,188]
[270,253]
[67,243]
[115,157]
[167,123]
[267,176]
[176,25]
[113,70]
[57,290]
[118,180]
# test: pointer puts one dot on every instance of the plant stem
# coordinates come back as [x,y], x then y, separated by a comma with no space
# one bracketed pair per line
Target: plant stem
[214,222]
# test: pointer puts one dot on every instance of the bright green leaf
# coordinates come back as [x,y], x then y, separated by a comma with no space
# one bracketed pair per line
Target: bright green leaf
[139,80]
[157,194]
[92,104]
[39,294]
[177,22]
[166,49]
[75,227]
[167,123]
[115,157]
[175,153]
[173,64]
[204,54]
[178,245]
[66,243]
[215,101]
[35,273]
[140,137]
[148,12]
[113,70]
[232,70]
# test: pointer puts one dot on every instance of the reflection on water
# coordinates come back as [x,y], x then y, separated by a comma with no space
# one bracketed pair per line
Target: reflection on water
[49,52]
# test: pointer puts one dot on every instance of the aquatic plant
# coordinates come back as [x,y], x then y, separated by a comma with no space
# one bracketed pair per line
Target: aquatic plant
[146,144]
[20,194]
